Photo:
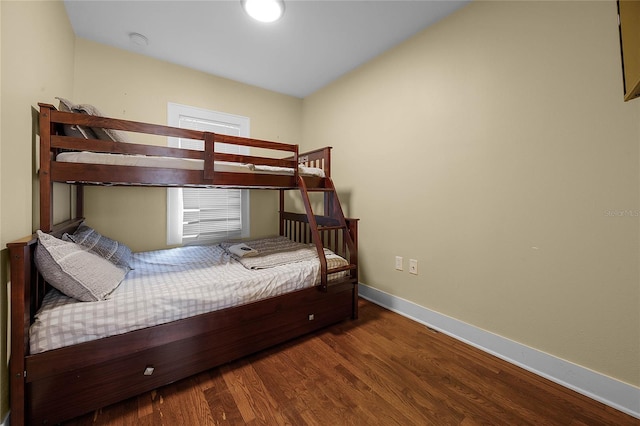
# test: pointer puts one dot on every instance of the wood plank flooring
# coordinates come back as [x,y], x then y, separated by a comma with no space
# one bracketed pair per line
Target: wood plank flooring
[381,369]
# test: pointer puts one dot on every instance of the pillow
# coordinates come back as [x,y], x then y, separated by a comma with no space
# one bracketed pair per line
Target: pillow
[93,132]
[72,129]
[104,134]
[74,270]
[111,250]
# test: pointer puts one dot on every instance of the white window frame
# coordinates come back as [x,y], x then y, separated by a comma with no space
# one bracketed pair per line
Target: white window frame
[236,125]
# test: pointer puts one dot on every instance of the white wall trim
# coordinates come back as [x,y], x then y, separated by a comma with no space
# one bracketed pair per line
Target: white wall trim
[612,392]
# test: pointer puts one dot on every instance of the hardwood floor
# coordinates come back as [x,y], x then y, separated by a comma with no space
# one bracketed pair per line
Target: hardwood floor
[382,369]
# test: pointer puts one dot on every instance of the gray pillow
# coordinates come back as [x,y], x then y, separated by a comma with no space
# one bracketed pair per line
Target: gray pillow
[89,132]
[72,129]
[111,250]
[74,270]
[104,134]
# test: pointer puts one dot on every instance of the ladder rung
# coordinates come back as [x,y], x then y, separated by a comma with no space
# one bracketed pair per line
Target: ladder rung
[330,228]
[341,269]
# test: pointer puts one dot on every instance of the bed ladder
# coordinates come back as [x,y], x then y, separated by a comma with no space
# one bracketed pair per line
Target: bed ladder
[333,220]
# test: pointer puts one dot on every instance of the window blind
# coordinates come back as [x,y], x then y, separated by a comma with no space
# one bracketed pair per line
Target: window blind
[207,215]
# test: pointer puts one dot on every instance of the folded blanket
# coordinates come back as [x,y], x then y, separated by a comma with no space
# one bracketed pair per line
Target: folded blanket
[242,250]
[272,251]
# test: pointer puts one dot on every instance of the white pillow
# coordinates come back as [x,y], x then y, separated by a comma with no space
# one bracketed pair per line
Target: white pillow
[74,270]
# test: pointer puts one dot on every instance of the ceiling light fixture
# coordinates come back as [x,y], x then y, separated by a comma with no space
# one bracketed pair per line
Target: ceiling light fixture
[264,10]
[139,39]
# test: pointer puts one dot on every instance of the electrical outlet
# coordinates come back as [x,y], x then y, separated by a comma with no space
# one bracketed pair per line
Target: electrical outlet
[413,266]
[399,263]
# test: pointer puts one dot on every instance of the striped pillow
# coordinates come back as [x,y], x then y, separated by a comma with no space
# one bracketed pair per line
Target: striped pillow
[111,250]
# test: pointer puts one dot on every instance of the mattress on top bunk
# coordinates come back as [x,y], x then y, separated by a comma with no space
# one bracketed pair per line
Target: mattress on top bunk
[168,285]
[87,157]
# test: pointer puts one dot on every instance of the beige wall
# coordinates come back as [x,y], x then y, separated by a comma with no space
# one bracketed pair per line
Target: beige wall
[511,163]
[496,149]
[138,88]
[37,63]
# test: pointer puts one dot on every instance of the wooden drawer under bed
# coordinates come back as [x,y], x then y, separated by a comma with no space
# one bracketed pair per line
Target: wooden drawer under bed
[67,382]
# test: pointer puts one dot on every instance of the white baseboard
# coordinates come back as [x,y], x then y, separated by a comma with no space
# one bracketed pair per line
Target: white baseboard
[617,394]
[7,420]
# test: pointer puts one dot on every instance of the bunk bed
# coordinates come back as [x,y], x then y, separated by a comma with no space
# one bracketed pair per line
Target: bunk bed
[58,384]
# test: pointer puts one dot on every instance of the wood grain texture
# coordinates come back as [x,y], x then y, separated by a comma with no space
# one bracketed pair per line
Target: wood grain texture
[382,369]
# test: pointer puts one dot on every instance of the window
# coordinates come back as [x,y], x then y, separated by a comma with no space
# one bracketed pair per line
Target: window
[206,215]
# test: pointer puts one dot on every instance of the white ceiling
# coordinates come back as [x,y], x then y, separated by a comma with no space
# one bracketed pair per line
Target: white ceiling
[314,43]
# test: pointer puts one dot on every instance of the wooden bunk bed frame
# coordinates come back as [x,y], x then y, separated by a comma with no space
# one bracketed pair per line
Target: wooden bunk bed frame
[60,384]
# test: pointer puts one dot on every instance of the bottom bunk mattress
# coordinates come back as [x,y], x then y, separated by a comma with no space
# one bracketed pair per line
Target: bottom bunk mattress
[172,284]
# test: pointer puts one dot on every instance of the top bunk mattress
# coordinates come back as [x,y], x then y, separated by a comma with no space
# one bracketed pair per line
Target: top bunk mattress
[87,157]
[172,284]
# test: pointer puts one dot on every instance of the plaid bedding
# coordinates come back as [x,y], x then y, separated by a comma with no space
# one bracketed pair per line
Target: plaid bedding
[164,286]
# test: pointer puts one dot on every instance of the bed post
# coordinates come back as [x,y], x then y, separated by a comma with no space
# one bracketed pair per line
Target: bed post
[326,166]
[281,211]
[352,225]
[79,201]
[209,155]
[46,184]
[20,257]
